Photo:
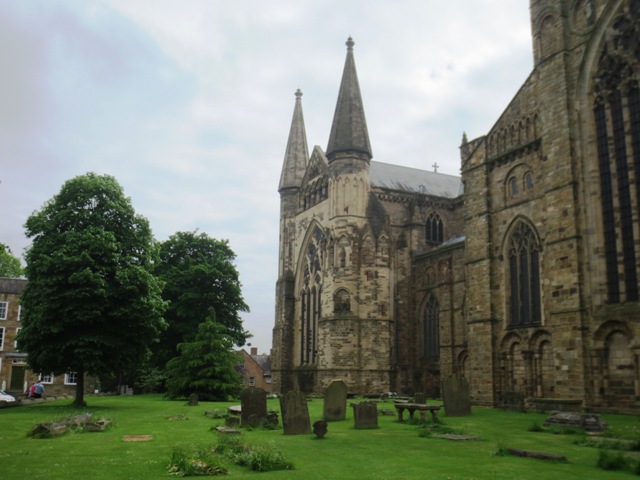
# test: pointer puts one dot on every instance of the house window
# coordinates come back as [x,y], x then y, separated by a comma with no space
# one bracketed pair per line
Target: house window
[19,312]
[434,231]
[524,277]
[431,337]
[15,342]
[70,378]
[46,378]
[4,306]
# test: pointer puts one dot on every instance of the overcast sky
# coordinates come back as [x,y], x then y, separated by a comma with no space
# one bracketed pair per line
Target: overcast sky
[188,103]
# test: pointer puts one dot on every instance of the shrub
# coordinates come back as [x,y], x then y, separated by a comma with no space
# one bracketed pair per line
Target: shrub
[261,458]
[612,461]
[194,461]
[535,427]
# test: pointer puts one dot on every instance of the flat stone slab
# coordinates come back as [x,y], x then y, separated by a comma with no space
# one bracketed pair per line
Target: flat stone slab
[227,430]
[537,455]
[453,436]
[137,438]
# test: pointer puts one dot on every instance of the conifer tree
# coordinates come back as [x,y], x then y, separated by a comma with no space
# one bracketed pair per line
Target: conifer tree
[207,366]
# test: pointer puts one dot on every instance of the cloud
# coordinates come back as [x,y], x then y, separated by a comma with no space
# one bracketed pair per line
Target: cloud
[188,104]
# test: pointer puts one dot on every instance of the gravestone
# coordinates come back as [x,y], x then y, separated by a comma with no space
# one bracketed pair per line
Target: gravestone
[335,401]
[455,393]
[589,422]
[295,413]
[253,402]
[420,398]
[320,428]
[365,415]
[193,400]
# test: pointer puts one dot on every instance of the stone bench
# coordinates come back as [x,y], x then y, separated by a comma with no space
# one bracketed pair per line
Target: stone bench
[421,408]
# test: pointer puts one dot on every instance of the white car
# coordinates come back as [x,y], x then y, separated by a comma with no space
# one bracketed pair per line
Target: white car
[5,397]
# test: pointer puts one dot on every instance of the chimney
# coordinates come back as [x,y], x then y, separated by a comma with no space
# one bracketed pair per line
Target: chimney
[254,351]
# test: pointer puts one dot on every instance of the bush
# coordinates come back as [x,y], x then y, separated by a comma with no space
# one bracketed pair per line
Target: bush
[261,458]
[612,461]
[535,427]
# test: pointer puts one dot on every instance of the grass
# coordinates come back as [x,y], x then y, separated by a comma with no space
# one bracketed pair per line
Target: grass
[394,450]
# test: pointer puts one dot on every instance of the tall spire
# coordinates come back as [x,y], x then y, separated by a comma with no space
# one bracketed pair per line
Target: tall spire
[349,130]
[297,153]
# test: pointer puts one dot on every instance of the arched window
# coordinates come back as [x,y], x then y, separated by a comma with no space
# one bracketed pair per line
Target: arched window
[310,297]
[513,186]
[524,277]
[341,301]
[528,181]
[434,231]
[431,334]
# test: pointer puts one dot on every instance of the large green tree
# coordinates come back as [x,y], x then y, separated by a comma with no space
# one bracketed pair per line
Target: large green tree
[198,274]
[207,366]
[9,265]
[92,304]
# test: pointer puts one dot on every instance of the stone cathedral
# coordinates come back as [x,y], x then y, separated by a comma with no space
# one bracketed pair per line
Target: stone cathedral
[520,275]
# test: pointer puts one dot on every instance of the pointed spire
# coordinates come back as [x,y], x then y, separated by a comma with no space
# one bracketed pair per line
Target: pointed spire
[297,153]
[349,130]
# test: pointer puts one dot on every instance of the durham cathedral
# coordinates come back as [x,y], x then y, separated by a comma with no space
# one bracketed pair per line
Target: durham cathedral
[521,275]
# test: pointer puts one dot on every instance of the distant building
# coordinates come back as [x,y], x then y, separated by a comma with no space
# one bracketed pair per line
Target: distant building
[521,275]
[256,371]
[15,376]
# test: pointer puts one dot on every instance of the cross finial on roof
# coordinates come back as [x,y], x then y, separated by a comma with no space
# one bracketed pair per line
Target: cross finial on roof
[435,167]
[298,93]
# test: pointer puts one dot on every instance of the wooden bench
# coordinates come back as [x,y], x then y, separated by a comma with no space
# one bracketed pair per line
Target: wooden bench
[420,407]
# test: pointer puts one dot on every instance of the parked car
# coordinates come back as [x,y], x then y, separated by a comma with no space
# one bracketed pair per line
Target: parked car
[5,397]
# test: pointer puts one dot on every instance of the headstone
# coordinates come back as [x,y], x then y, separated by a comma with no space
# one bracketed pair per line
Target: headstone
[335,401]
[253,401]
[193,400]
[365,415]
[420,398]
[295,413]
[232,421]
[320,428]
[455,393]
[272,419]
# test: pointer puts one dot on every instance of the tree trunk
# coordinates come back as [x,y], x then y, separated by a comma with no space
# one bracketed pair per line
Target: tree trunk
[79,401]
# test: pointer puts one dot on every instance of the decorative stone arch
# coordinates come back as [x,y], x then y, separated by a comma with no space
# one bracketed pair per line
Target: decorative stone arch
[367,251]
[434,229]
[542,365]
[462,362]
[546,34]
[512,367]
[615,361]
[343,252]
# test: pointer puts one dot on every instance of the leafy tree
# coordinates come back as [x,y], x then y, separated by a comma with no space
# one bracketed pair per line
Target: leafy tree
[92,304]
[198,274]
[207,366]
[9,265]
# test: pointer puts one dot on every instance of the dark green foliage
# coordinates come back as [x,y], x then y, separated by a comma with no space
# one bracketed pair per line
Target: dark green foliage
[612,460]
[206,366]
[9,265]
[438,428]
[198,274]
[92,304]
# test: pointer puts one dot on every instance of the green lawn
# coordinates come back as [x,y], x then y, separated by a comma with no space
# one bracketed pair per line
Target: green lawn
[393,451]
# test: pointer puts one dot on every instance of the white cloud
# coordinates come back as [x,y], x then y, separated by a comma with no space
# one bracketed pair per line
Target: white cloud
[188,104]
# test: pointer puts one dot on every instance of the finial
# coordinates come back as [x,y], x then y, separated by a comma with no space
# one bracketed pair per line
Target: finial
[350,43]
[298,94]
[435,167]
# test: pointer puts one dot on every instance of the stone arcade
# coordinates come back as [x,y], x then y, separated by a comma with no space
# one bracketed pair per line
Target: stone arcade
[524,281]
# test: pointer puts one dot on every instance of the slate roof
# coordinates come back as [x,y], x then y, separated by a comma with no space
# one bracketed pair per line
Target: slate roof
[396,177]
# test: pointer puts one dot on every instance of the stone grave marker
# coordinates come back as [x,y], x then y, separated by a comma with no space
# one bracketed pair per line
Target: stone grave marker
[513,402]
[295,413]
[320,428]
[455,393]
[335,401]
[253,402]
[365,415]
